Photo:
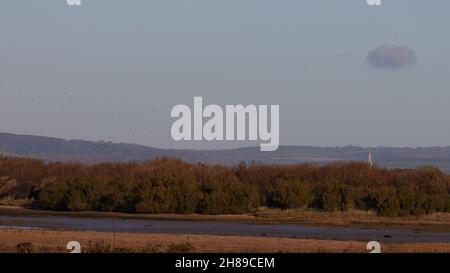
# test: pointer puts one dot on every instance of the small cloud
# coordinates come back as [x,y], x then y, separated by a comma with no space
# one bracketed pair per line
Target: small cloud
[391,57]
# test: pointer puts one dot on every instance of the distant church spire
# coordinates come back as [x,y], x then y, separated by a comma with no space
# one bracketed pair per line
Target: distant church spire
[369,158]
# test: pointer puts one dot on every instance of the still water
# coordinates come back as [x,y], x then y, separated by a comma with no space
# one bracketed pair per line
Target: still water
[219,228]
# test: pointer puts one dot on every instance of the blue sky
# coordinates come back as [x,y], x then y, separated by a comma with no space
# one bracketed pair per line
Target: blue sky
[113,69]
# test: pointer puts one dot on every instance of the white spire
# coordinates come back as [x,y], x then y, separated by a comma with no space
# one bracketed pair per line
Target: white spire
[369,158]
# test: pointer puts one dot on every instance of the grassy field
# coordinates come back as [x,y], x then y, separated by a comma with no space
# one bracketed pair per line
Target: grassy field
[13,240]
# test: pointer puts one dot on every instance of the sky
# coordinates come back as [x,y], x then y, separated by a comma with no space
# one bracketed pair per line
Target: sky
[343,73]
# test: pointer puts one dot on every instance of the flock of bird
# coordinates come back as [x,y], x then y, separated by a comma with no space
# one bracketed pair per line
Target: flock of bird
[103,109]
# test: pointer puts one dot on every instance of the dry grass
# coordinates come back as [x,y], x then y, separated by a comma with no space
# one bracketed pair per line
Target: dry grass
[16,210]
[12,202]
[10,238]
[357,218]
[55,241]
[417,248]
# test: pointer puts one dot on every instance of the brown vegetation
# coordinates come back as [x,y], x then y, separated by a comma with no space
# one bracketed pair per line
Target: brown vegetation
[100,242]
[173,186]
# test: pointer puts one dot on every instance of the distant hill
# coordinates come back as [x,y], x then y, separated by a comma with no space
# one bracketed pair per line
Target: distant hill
[60,150]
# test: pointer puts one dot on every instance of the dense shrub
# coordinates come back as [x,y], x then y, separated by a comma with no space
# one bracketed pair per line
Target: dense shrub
[172,186]
[290,194]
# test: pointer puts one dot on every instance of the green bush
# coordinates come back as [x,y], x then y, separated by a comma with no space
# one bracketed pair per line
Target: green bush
[290,194]
[173,186]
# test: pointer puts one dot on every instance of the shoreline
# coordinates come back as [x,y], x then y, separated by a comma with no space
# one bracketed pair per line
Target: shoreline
[352,219]
[44,240]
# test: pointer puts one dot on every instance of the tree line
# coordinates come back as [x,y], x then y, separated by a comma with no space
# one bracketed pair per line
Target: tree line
[173,186]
